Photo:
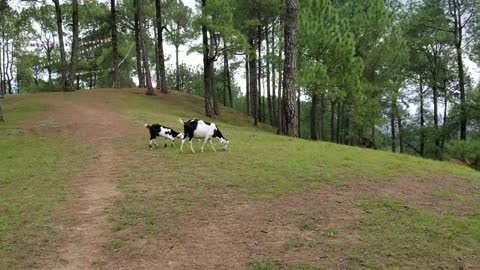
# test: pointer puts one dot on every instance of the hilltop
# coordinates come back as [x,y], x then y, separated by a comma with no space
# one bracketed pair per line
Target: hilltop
[79,188]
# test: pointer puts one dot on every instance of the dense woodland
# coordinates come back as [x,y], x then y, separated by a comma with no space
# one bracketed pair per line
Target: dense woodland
[396,73]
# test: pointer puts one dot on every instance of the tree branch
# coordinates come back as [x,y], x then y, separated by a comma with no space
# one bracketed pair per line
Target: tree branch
[467,20]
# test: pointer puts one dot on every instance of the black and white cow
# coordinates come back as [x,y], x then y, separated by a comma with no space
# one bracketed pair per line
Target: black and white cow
[195,128]
[167,133]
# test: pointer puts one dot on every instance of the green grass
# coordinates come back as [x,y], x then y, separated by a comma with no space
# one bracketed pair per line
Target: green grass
[264,165]
[161,187]
[298,242]
[34,180]
[449,195]
[270,264]
[19,108]
[394,236]
[265,264]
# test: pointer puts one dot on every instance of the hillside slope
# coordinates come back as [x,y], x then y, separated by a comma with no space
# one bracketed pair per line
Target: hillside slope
[81,189]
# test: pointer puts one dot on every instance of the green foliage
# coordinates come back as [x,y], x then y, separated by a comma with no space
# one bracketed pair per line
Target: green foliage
[191,79]
[180,29]
[326,47]
[468,151]
[217,16]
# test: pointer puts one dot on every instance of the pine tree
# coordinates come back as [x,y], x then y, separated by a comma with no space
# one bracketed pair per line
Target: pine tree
[115,72]
[328,63]
[144,52]
[290,69]
[63,61]
[161,57]
[180,18]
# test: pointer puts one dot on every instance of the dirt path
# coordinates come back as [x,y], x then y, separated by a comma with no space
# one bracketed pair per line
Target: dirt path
[85,233]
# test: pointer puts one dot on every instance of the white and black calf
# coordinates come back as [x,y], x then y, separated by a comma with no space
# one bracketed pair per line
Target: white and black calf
[167,133]
[200,129]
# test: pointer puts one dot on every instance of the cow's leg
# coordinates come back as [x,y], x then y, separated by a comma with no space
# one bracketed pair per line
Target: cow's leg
[165,143]
[191,145]
[204,142]
[156,145]
[211,144]
[172,142]
[150,143]
[181,145]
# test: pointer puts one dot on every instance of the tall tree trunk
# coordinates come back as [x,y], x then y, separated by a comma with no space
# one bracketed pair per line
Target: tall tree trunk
[90,79]
[227,75]
[17,77]
[252,67]
[422,119]
[49,67]
[138,50]
[2,119]
[8,73]
[225,71]
[392,125]
[224,86]
[213,87]
[445,111]
[177,68]
[115,72]
[299,108]
[4,65]
[142,37]
[12,65]
[163,78]
[445,103]
[259,76]
[74,52]
[313,118]
[274,103]
[290,68]
[280,92]
[247,83]
[346,129]
[207,69]
[400,135]
[264,107]
[457,10]
[95,76]
[267,62]
[63,61]
[2,68]
[339,121]
[323,135]
[332,120]
[435,118]
[461,83]
[157,59]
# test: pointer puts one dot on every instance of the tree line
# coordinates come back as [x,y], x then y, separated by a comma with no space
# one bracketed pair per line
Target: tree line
[391,71]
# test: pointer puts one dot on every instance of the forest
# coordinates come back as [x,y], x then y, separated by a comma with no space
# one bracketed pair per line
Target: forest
[402,74]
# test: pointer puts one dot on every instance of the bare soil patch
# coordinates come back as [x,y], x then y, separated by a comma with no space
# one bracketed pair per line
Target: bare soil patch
[461,195]
[225,230]
[85,232]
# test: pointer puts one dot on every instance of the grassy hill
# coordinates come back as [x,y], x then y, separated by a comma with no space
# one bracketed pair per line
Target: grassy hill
[270,202]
